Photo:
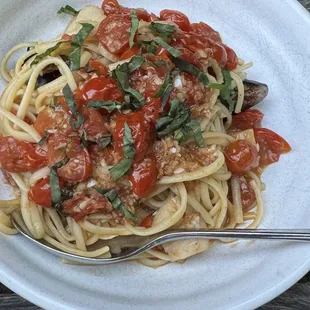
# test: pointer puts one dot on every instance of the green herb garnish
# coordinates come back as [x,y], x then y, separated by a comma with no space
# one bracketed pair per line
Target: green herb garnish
[108,105]
[173,51]
[76,119]
[166,84]
[124,165]
[68,10]
[136,62]
[104,141]
[39,57]
[44,138]
[164,30]
[133,29]
[76,45]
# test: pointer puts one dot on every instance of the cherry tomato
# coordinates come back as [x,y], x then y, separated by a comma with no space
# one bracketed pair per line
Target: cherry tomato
[176,17]
[147,222]
[114,32]
[50,118]
[232,58]
[241,156]
[101,88]
[207,31]
[20,156]
[141,13]
[247,194]
[79,167]
[130,52]
[94,124]
[97,154]
[98,67]
[143,176]
[141,131]
[246,120]
[111,7]
[153,18]
[83,205]
[152,109]
[271,146]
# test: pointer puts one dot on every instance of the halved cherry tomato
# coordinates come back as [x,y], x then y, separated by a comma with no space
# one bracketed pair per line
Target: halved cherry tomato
[152,109]
[247,194]
[20,156]
[246,120]
[141,130]
[147,222]
[130,52]
[101,88]
[176,17]
[50,118]
[114,32]
[144,176]
[83,205]
[107,154]
[241,156]
[207,31]
[79,167]
[271,146]
[98,67]
[232,58]
[141,13]
[153,18]
[111,7]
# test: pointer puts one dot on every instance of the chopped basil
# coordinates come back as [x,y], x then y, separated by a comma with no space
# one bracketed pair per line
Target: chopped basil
[104,141]
[166,84]
[164,30]
[152,49]
[76,119]
[195,127]
[54,182]
[116,202]
[124,165]
[76,45]
[136,62]
[68,10]
[173,51]
[192,69]
[39,57]
[108,105]
[44,138]
[134,28]
[225,89]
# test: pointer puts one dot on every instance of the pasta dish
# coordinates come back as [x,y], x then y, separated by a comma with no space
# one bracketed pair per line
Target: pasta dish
[132,123]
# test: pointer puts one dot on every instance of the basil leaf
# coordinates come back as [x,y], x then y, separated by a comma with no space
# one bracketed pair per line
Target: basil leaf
[173,51]
[120,169]
[104,141]
[54,181]
[195,127]
[164,30]
[152,49]
[166,95]
[136,62]
[44,138]
[108,105]
[174,107]
[134,28]
[128,142]
[166,84]
[76,45]
[39,57]
[181,134]
[109,193]
[68,10]
[76,119]
[192,69]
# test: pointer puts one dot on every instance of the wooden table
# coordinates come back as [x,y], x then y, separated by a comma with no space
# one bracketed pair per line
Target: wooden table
[297,297]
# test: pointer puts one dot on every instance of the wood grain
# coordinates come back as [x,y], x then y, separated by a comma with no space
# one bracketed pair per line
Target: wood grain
[296,298]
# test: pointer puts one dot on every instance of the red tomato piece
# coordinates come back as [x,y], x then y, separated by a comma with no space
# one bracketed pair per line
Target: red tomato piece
[144,176]
[20,156]
[247,194]
[111,7]
[152,109]
[114,32]
[147,222]
[79,167]
[83,205]
[232,58]
[98,67]
[176,17]
[246,120]
[207,31]
[130,52]
[153,18]
[101,88]
[271,146]
[50,118]
[98,154]
[141,130]
[241,156]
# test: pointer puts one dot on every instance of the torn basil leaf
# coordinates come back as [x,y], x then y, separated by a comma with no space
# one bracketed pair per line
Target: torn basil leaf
[173,51]
[108,105]
[191,69]
[76,119]
[136,62]
[76,46]
[104,141]
[166,84]
[164,30]
[133,29]
[68,10]
[195,127]
[54,181]
[39,57]
[124,165]
[44,138]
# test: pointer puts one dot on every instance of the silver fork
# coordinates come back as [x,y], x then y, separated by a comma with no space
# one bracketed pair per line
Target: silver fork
[127,247]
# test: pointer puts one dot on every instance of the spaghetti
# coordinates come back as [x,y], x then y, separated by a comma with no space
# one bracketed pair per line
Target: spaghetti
[131,123]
